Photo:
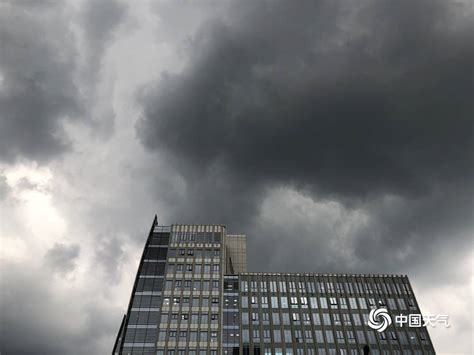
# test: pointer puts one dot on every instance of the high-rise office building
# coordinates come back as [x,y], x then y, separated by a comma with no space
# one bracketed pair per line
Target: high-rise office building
[193,296]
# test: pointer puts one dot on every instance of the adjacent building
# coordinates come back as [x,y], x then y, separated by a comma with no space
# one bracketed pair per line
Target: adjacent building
[193,295]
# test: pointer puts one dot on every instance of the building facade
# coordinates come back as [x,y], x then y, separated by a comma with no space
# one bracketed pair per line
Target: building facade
[193,296]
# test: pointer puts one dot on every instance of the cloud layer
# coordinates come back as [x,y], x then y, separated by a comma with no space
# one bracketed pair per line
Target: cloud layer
[337,136]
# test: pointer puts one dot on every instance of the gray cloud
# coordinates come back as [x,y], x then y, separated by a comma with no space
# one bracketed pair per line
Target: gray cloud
[4,188]
[43,79]
[345,103]
[100,19]
[342,112]
[109,256]
[37,89]
[44,320]
[62,257]
[337,136]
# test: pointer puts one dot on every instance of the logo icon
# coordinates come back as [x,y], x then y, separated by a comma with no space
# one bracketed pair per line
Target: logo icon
[379,319]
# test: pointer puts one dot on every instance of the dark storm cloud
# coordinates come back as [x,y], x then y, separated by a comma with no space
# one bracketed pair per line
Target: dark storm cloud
[62,257]
[342,102]
[37,89]
[39,70]
[385,106]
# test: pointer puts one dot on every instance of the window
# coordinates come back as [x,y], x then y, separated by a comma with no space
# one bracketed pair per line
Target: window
[215,300]
[350,337]
[360,337]
[326,319]
[353,303]
[295,317]
[323,302]
[343,303]
[190,251]
[319,336]
[181,252]
[306,319]
[329,336]
[275,319]
[362,303]
[162,335]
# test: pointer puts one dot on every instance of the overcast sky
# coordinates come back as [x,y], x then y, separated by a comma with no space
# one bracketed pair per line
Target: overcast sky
[337,135]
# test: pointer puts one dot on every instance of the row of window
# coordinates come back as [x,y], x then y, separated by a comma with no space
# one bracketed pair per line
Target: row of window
[334,336]
[198,253]
[184,352]
[319,351]
[194,285]
[187,336]
[193,318]
[201,237]
[191,267]
[363,286]
[190,301]
[327,302]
